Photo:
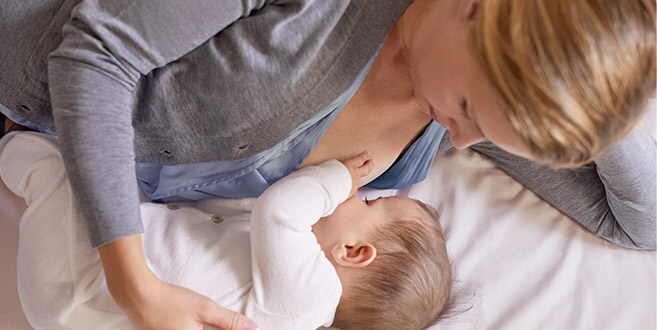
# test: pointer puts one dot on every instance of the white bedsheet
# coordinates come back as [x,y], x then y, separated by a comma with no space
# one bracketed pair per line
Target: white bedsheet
[521,263]
[526,265]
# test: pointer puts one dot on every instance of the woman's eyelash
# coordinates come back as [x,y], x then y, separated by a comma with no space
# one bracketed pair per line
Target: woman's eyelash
[464,109]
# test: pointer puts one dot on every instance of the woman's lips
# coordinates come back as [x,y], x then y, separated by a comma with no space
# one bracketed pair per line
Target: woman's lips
[453,131]
[449,125]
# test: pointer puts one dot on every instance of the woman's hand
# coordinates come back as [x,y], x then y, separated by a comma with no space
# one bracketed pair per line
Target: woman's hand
[359,167]
[164,306]
[153,304]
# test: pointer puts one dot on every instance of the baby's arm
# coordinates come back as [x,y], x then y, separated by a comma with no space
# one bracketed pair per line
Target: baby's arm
[293,281]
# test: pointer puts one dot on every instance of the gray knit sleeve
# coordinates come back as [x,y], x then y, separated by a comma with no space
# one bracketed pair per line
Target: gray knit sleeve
[614,197]
[108,45]
[628,173]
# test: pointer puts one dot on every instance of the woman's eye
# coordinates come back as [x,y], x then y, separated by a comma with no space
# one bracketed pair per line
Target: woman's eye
[464,109]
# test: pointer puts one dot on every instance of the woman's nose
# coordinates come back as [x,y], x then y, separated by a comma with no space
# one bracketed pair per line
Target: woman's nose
[465,134]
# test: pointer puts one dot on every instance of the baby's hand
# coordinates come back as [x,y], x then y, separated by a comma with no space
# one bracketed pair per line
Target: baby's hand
[359,167]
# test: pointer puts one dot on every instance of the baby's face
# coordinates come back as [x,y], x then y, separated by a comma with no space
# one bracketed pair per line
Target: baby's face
[354,220]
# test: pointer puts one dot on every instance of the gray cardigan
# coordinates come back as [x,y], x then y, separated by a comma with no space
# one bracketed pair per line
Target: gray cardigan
[244,74]
[173,82]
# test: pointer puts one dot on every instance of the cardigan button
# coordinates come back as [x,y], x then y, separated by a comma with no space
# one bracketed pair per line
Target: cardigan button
[217,219]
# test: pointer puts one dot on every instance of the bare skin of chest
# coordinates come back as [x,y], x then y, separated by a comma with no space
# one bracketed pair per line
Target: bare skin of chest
[382,117]
[376,129]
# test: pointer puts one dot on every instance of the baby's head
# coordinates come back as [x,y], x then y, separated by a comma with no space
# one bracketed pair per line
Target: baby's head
[391,258]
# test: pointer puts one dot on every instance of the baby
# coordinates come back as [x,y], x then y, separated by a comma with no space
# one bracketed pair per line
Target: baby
[309,254]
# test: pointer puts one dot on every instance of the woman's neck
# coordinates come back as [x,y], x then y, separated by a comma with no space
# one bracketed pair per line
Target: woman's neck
[389,80]
[382,116]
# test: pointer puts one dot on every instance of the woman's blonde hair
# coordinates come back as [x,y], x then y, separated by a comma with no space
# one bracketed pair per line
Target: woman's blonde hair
[409,283]
[573,75]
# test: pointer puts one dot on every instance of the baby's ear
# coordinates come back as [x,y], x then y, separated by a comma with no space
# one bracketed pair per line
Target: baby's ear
[353,255]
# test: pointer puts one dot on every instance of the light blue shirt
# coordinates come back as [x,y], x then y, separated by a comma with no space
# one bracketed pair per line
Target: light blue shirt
[249,177]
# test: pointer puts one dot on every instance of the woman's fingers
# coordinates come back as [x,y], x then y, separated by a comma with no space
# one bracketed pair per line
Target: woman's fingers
[225,319]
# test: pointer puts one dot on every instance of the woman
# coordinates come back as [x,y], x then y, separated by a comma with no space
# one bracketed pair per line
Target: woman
[215,97]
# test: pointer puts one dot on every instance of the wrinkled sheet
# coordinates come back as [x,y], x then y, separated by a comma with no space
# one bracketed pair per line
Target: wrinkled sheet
[520,263]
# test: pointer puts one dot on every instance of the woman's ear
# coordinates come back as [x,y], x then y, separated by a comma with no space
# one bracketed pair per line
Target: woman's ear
[353,255]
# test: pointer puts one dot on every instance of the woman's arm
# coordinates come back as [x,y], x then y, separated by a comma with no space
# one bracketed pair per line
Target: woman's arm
[154,304]
[613,198]
[52,235]
[107,46]
[627,171]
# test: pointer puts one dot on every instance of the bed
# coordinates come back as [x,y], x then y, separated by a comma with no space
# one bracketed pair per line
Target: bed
[519,262]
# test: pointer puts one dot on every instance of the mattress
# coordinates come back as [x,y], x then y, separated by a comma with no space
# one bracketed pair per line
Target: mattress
[519,262]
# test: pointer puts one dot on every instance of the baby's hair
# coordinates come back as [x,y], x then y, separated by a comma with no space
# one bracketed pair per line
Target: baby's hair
[408,285]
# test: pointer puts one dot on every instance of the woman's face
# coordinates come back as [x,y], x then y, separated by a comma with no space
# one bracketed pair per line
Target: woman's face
[449,83]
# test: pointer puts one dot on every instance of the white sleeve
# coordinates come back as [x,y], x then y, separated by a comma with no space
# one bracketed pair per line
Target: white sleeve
[294,285]
[58,270]
[31,166]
